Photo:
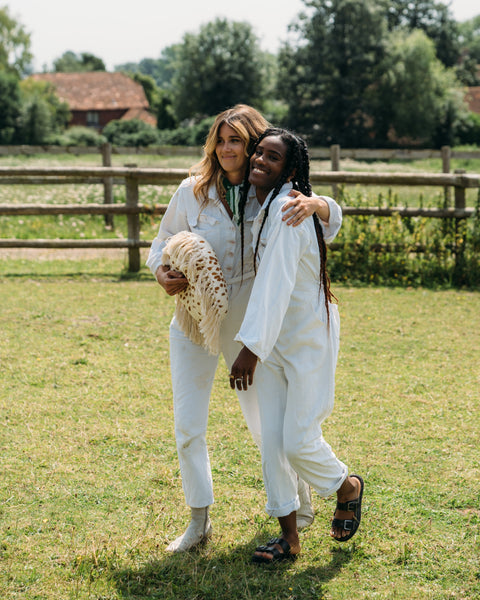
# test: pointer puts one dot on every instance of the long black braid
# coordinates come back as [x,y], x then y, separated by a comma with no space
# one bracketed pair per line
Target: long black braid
[298,163]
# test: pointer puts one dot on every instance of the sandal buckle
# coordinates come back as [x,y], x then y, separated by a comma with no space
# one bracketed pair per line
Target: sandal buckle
[347,525]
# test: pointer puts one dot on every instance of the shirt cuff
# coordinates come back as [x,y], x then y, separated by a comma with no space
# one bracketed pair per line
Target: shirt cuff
[252,346]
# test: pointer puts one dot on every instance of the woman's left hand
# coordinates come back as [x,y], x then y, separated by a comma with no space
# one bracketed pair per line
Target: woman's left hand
[300,207]
[241,374]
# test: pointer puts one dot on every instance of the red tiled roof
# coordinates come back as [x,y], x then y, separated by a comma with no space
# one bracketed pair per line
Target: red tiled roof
[139,113]
[472,98]
[96,90]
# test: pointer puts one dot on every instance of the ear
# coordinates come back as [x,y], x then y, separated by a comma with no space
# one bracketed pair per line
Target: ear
[292,175]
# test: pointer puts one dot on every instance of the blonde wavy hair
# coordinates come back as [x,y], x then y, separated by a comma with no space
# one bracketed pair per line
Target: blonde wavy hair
[249,125]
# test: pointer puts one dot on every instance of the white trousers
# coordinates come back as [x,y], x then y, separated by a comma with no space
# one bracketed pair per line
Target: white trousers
[193,371]
[295,397]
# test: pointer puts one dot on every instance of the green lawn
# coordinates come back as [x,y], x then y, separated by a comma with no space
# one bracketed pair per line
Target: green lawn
[90,492]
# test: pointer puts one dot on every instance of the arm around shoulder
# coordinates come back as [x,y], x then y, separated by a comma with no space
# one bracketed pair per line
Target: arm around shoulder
[298,207]
[331,227]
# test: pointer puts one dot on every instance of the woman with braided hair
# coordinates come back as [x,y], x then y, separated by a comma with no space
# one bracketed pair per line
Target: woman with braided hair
[292,327]
[207,204]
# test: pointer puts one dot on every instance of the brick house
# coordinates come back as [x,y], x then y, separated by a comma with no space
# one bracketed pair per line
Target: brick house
[472,98]
[97,97]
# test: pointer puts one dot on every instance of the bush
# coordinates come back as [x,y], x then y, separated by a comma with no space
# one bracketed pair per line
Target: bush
[34,123]
[78,136]
[405,251]
[10,106]
[200,131]
[469,130]
[43,114]
[131,133]
[175,137]
[189,135]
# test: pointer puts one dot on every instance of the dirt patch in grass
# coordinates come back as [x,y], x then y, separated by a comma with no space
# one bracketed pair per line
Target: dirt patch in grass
[67,253]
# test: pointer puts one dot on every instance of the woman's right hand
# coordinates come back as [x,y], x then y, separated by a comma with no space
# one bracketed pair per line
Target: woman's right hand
[172,282]
[243,369]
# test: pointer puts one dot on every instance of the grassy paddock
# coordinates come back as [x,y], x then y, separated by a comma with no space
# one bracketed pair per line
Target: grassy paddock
[90,492]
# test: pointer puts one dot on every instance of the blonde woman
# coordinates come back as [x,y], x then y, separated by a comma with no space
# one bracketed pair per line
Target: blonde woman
[206,203]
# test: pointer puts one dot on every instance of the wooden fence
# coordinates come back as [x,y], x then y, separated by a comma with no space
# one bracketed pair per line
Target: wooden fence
[333,153]
[132,178]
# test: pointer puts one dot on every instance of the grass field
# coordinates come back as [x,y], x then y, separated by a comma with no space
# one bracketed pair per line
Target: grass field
[90,492]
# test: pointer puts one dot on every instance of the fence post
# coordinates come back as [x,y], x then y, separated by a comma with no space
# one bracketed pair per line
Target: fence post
[335,160]
[460,191]
[106,150]
[460,233]
[133,224]
[446,155]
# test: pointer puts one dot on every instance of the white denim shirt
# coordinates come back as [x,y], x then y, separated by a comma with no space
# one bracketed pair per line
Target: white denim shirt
[212,222]
[285,307]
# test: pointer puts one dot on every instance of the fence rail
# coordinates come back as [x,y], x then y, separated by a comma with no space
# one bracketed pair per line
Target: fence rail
[132,178]
[333,152]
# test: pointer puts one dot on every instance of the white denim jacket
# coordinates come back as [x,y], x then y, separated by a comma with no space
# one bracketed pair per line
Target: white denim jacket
[212,222]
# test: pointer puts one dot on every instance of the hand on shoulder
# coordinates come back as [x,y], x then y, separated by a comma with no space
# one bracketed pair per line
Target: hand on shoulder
[299,207]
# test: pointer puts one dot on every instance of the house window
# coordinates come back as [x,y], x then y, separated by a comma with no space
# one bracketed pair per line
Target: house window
[93,119]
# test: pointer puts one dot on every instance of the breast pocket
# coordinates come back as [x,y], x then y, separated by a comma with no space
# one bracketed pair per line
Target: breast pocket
[209,227]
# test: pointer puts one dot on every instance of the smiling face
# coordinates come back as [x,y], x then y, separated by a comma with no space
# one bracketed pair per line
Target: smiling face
[267,164]
[230,151]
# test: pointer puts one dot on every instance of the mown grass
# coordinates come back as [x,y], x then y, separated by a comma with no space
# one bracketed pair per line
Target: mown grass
[90,491]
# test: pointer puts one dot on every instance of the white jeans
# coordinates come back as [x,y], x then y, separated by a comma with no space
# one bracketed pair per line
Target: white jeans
[193,371]
[295,397]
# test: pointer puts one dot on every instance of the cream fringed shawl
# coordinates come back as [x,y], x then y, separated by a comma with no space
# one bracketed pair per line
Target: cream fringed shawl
[200,308]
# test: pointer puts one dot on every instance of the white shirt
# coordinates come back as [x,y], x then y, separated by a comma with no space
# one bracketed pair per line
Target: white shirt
[212,222]
[285,306]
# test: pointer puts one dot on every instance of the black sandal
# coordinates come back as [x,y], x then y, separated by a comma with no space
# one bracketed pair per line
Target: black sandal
[355,506]
[277,556]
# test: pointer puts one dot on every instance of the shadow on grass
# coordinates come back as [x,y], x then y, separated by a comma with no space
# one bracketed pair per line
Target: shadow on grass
[207,574]
[87,275]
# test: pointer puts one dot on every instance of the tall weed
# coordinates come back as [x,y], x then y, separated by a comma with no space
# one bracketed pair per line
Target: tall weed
[404,250]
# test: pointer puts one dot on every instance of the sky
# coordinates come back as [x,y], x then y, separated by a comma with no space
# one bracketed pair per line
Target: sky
[120,31]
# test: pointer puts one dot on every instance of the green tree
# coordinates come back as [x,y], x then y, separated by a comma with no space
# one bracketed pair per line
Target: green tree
[15,55]
[160,101]
[432,17]
[35,125]
[217,68]
[42,113]
[166,66]
[165,112]
[149,87]
[469,39]
[324,76]
[10,106]
[155,75]
[416,97]
[160,69]
[70,62]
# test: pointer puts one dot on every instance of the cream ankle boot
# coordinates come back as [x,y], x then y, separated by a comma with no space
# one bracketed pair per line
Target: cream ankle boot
[198,531]
[305,513]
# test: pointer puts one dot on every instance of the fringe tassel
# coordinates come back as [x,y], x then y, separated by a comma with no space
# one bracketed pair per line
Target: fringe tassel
[201,308]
